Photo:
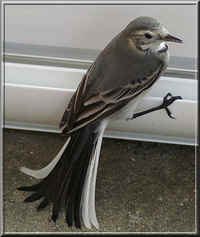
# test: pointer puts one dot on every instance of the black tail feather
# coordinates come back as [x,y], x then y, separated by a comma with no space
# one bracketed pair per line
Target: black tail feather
[75,181]
[43,204]
[69,171]
[77,198]
[69,214]
[76,184]
[29,188]
[64,184]
[33,197]
[77,218]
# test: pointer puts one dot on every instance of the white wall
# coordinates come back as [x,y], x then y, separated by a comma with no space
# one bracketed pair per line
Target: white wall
[93,26]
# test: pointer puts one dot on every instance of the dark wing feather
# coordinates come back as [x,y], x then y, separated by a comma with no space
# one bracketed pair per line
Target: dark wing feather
[83,110]
[76,102]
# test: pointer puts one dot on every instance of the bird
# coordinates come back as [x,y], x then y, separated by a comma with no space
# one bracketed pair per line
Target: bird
[123,72]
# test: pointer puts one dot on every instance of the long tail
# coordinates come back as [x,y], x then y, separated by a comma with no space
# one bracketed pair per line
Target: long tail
[70,179]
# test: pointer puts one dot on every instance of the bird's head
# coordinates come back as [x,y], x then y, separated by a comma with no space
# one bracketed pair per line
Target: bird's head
[148,35]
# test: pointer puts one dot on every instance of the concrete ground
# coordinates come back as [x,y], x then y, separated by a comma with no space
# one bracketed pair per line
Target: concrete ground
[141,187]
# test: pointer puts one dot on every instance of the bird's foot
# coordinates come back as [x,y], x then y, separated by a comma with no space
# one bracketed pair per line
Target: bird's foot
[168,100]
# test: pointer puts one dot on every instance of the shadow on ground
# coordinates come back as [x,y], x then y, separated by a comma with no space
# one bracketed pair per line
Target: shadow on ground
[141,187]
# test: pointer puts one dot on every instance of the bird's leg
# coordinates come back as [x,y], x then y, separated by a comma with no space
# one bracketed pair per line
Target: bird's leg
[167,100]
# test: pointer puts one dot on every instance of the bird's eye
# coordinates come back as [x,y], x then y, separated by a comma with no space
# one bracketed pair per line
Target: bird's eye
[148,36]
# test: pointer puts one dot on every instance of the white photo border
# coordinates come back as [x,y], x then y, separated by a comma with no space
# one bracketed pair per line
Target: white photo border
[3,4]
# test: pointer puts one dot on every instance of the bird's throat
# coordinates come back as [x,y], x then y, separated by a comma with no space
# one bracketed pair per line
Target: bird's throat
[155,47]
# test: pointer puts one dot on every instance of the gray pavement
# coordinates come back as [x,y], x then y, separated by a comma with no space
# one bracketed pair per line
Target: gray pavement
[141,186]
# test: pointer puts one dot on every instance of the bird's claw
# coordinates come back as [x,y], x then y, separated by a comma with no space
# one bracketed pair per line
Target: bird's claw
[169,113]
[168,100]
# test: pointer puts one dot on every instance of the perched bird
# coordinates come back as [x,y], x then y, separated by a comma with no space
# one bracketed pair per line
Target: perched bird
[120,76]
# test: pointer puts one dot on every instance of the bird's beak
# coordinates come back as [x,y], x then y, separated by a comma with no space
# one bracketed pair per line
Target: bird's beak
[172,38]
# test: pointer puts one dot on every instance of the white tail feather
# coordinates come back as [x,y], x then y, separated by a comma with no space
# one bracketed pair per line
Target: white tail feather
[92,211]
[86,192]
[42,173]
[88,198]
